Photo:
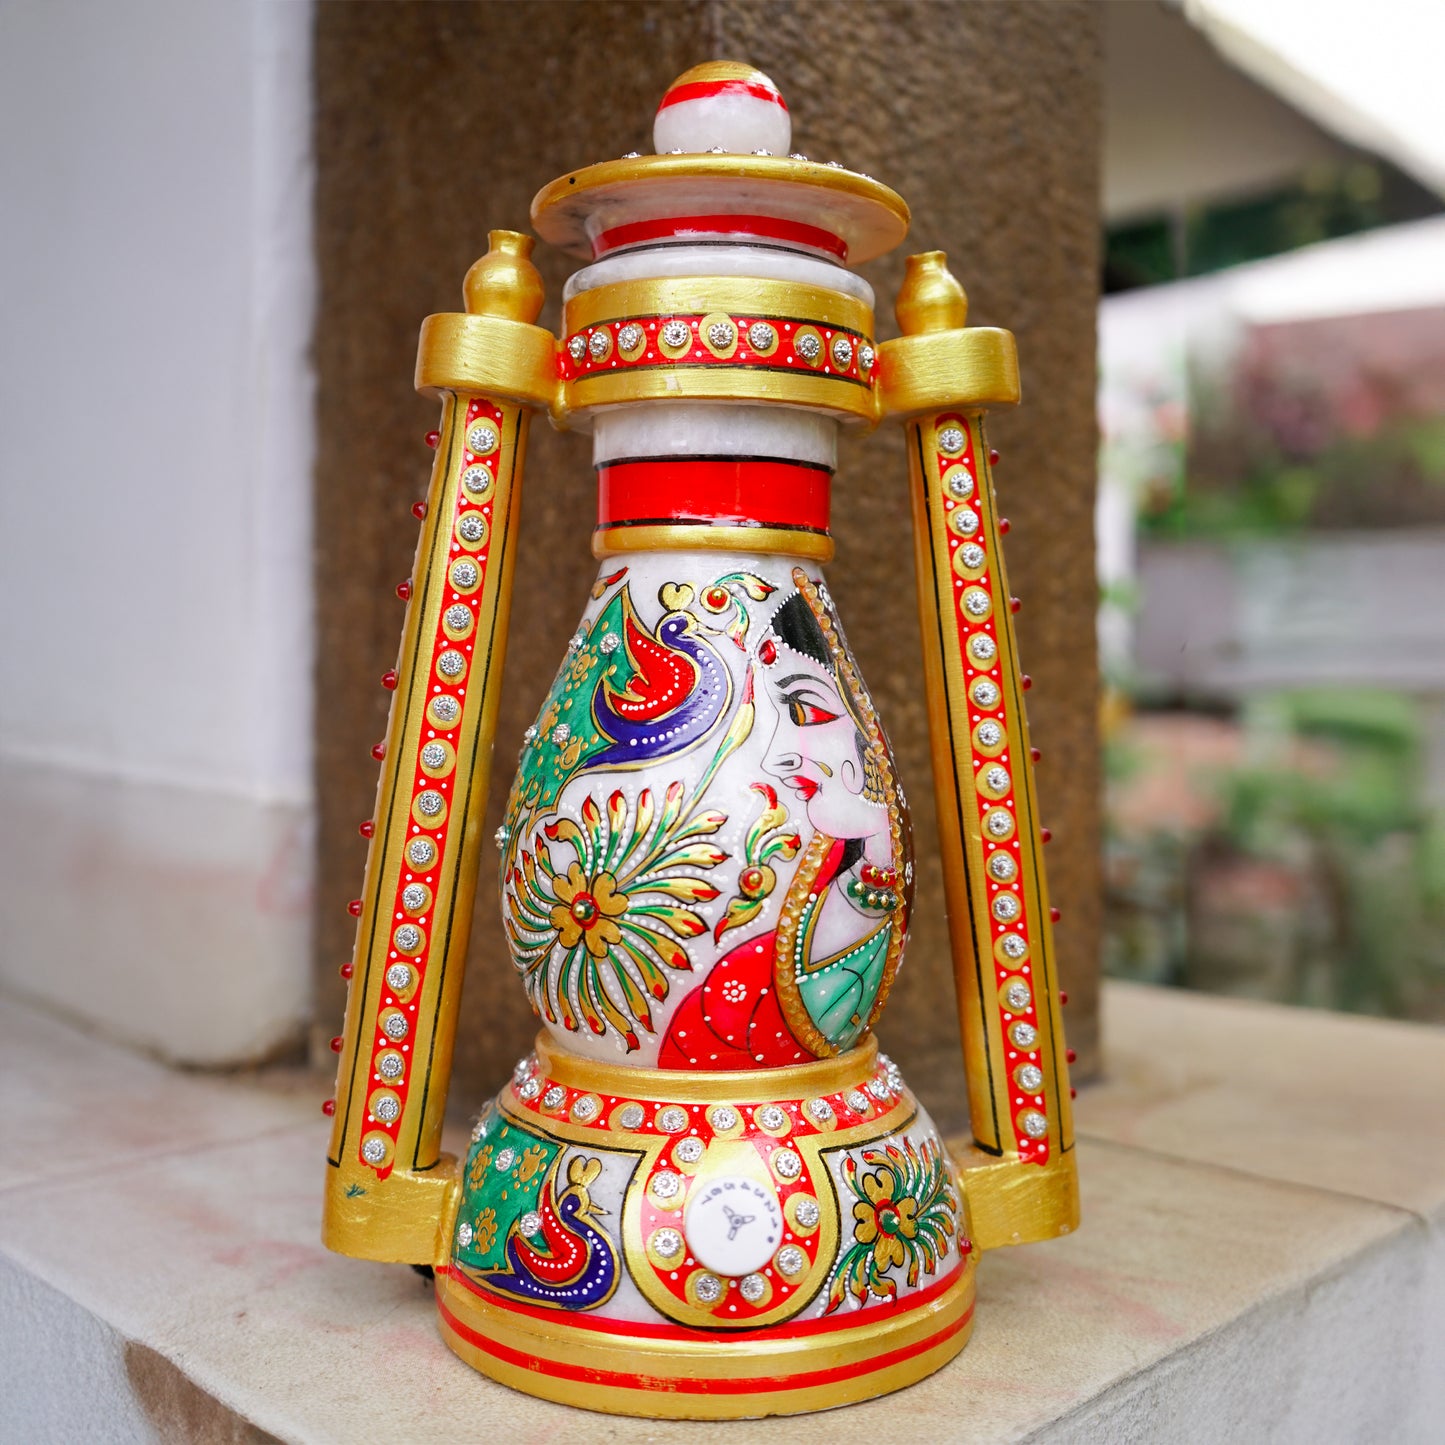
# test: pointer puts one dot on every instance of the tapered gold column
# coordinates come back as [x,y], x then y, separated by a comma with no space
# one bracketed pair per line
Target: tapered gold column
[390,1189]
[940,376]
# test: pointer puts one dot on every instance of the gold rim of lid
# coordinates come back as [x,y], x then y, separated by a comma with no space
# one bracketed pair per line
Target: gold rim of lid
[870,218]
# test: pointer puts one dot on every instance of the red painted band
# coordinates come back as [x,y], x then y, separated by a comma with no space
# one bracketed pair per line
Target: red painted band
[705,89]
[640,1330]
[755,1385]
[733,491]
[773,228]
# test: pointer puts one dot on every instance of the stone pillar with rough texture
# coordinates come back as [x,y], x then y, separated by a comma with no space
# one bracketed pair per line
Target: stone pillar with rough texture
[436,123]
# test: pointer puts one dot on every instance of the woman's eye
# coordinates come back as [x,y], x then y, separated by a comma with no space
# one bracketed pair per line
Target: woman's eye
[805,715]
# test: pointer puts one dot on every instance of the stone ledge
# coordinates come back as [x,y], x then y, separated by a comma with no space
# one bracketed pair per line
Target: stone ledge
[1261,1258]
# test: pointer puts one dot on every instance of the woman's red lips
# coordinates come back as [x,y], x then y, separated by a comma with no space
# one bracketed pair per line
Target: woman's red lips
[806,786]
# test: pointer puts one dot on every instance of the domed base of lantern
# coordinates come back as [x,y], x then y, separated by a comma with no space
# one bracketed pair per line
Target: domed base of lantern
[707,1246]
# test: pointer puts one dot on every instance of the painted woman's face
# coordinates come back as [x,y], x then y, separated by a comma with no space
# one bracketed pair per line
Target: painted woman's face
[814,750]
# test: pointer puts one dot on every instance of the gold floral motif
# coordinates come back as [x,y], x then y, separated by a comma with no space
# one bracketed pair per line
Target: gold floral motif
[532,1161]
[481,1162]
[586,910]
[484,1231]
[883,1221]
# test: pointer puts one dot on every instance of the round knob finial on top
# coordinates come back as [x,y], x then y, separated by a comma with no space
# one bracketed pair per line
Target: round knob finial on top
[722,105]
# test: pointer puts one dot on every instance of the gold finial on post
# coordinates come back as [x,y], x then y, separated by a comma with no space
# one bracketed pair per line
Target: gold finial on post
[504,282]
[931,298]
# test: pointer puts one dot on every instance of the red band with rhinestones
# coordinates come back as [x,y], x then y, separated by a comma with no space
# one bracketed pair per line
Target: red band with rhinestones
[769,228]
[733,491]
[706,89]
[1028,927]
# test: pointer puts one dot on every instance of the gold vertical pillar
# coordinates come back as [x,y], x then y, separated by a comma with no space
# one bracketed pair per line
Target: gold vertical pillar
[390,1188]
[941,376]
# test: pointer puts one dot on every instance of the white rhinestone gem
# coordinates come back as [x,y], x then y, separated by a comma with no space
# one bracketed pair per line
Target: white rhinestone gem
[1024,1036]
[631,1116]
[460,615]
[879,1089]
[577,642]
[964,521]
[973,556]
[610,643]
[584,1108]
[770,1116]
[820,1109]
[445,709]
[1017,995]
[997,779]
[676,333]
[407,937]
[865,357]
[753,1288]
[464,1234]
[577,348]
[398,977]
[482,438]
[721,334]
[472,529]
[395,1027]
[708,1288]
[724,1117]
[1006,907]
[554,1097]
[1002,866]
[433,755]
[429,804]
[387,1109]
[688,1151]
[842,352]
[761,336]
[667,1243]
[390,1066]
[808,346]
[985,693]
[672,1120]
[1030,1078]
[529,1089]
[630,337]
[464,574]
[599,344]
[977,604]
[1014,946]
[561,734]
[500,836]
[791,1259]
[530,1223]
[504,1160]
[421,852]
[451,663]
[858,1102]
[806,1212]
[373,1151]
[476,479]
[990,734]
[961,485]
[1000,824]
[950,439]
[1033,1124]
[666,1184]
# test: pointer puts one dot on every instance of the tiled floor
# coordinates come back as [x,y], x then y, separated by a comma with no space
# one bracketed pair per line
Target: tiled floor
[1261,1259]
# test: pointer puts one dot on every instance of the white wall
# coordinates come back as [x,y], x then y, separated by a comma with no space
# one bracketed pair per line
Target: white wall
[155,454]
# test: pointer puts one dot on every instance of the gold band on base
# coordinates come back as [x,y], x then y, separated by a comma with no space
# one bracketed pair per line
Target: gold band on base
[690,1374]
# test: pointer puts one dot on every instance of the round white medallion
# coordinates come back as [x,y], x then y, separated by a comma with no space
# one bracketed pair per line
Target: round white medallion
[733,1224]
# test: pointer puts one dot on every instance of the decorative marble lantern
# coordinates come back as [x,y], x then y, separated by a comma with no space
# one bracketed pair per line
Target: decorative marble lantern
[706,1194]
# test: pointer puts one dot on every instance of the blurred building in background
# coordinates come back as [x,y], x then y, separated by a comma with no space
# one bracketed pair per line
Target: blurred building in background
[1272,504]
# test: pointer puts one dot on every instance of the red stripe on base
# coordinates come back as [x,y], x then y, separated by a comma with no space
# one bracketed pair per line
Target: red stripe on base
[738,491]
[641,1330]
[754,1385]
[705,89]
[772,228]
